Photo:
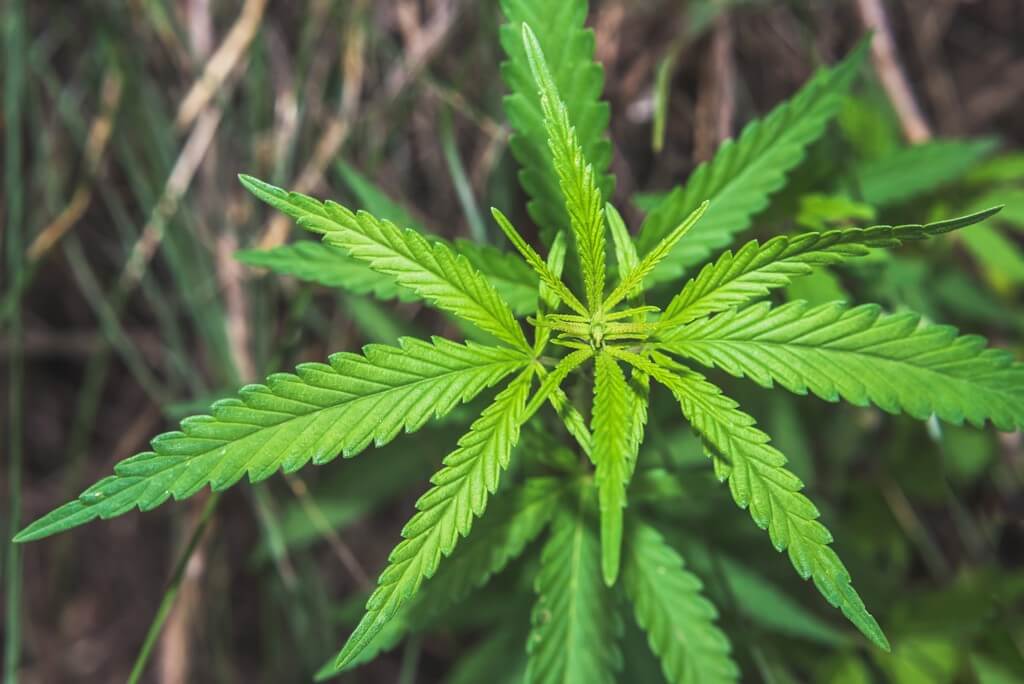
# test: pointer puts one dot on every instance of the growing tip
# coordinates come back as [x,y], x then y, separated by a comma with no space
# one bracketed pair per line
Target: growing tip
[529,37]
[535,57]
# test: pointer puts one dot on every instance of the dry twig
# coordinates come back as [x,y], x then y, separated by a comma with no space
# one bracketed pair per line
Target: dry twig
[95,145]
[887,64]
[716,101]
[217,68]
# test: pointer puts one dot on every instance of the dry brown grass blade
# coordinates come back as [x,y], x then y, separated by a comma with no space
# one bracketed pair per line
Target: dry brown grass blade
[182,173]
[887,63]
[221,63]
[345,554]
[95,146]
[422,44]
[716,101]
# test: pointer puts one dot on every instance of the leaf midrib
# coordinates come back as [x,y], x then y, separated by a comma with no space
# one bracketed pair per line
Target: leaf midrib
[573,609]
[273,429]
[863,355]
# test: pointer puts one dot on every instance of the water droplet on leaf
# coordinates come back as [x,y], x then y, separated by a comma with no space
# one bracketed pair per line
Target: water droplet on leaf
[90,498]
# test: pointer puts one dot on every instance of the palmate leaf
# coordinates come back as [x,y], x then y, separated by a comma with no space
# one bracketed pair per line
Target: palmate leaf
[316,414]
[613,455]
[509,275]
[756,269]
[760,483]
[744,173]
[322,264]
[551,282]
[576,625]
[513,520]
[431,270]
[912,171]
[445,513]
[315,262]
[626,257]
[633,279]
[671,608]
[858,354]
[583,201]
[569,48]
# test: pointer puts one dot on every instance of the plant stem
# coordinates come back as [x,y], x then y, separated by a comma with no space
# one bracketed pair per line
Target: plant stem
[167,602]
[14,90]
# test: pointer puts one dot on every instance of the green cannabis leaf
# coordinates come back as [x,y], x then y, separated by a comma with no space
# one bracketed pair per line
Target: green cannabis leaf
[583,199]
[316,414]
[746,172]
[894,361]
[569,51]
[446,512]
[613,455]
[594,357]
[575,621]
[670,607]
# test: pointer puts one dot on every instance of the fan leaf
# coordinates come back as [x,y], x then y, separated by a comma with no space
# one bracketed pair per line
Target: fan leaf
[317,413]
[431,270]
[576,625]
[745,173]
[446,512]
[895,361]
[671,608]
[569,48]
[756,269]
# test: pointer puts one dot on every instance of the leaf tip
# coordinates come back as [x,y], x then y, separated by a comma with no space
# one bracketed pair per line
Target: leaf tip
[249,182]
[610,571]
[529,38]
[39,529]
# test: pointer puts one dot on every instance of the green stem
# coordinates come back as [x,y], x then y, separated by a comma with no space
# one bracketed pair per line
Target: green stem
[12,570]
[14,90]
[171,594]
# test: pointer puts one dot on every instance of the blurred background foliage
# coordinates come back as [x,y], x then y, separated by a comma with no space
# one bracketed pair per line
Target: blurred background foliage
[124,308]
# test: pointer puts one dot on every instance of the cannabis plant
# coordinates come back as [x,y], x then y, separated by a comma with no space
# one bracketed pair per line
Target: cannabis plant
[596,350]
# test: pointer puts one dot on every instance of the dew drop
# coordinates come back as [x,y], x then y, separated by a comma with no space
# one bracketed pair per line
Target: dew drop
[90,498]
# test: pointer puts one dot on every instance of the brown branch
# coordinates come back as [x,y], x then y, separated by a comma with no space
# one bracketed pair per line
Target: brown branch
[345,555]
[716,101]
[224,59]
[886,60]
[933,19]
[95,145]
[182,173]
